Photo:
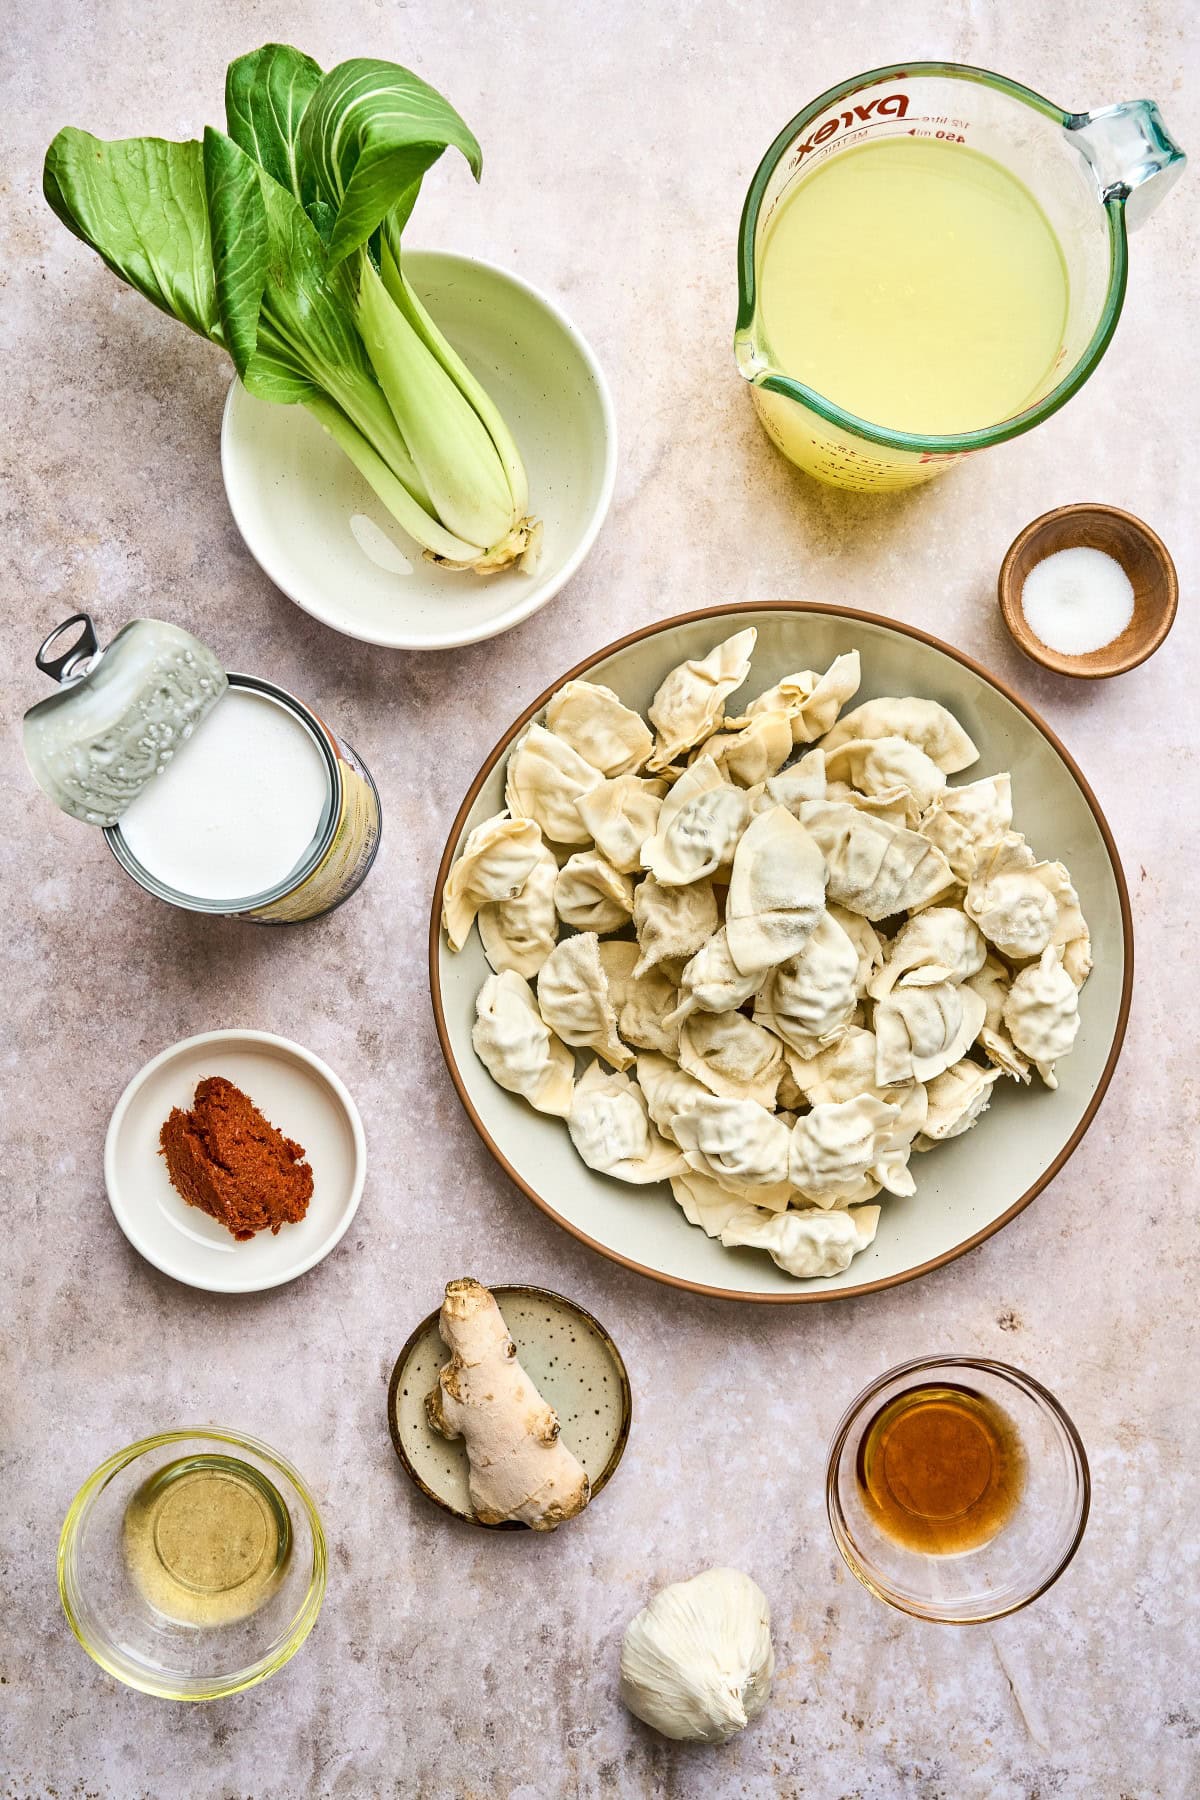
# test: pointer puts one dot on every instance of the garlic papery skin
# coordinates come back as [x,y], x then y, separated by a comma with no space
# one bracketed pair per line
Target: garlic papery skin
[697,1662]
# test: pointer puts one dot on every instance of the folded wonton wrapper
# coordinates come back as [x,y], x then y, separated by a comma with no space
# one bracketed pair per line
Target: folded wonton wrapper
[806,1244]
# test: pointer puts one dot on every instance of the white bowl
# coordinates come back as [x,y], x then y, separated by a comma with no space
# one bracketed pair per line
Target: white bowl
[314,526]
[300,1095]
[966,1189]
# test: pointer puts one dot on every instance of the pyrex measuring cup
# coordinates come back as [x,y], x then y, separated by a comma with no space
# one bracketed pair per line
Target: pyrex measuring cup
[1095,176]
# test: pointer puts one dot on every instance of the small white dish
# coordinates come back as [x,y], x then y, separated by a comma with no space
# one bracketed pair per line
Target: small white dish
[314,526]
[300,1095]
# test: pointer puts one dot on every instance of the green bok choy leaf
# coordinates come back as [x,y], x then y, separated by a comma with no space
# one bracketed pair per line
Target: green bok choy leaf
[279,239]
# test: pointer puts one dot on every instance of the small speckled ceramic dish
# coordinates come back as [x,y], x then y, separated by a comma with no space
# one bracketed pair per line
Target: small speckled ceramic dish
[570,1359]
[1129,541]
[300,1095]
[316,528]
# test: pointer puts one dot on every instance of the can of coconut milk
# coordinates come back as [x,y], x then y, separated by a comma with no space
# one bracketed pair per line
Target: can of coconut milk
[218,793]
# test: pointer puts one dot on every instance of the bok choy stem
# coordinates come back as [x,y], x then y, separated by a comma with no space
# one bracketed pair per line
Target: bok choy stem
[472,391]
[395,493]
[446,438]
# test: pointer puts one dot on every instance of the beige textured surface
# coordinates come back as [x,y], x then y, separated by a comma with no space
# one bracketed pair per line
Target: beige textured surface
[619,140]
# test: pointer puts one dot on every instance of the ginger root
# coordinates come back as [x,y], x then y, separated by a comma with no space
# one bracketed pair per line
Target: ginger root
[519,1468]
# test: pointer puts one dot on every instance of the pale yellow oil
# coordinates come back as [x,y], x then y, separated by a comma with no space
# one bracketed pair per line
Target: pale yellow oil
[917,284]
[207,1540]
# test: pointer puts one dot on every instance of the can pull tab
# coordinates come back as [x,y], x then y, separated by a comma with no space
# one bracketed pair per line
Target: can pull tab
[118,714]
[72,663]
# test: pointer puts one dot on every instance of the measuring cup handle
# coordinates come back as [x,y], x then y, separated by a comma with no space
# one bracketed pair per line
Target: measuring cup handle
[1133,155]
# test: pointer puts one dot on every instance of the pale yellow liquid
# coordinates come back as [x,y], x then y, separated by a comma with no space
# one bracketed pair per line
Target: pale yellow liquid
[916,284]
[207,1540]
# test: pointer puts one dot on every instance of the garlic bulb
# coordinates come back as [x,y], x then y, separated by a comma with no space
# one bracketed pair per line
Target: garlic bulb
[697,1661]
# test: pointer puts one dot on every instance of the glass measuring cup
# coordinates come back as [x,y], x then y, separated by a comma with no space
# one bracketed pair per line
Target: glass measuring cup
[1096,176]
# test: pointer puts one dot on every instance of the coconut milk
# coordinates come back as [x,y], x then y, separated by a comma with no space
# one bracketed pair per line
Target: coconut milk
[237,808]
[262,814]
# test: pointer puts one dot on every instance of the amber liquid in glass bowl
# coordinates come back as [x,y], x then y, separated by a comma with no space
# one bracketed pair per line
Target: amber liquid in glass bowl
[940,1469]
[957,1488]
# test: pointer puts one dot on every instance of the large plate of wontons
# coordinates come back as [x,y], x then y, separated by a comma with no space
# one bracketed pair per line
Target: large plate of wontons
[780,953]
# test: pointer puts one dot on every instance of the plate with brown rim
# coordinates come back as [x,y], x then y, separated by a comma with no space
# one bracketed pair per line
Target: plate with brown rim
[969,1188]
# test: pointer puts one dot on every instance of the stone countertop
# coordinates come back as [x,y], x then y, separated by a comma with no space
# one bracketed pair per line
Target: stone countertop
[619,142]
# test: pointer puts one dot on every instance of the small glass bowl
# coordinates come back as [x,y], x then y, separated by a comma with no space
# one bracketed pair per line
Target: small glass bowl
[1031,1549]
[118,1624]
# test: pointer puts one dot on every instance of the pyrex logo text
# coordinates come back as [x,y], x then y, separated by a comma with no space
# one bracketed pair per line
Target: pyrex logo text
[892,106]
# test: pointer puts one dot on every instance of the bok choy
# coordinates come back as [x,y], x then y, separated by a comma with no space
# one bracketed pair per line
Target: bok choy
[279,239]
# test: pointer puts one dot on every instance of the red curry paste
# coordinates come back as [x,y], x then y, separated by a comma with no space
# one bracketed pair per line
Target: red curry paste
[226,1158]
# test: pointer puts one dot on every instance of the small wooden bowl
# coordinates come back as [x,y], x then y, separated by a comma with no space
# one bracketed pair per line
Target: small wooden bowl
[1140,552]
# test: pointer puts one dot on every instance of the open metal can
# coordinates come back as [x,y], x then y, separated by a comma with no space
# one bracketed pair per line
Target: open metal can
[218,793]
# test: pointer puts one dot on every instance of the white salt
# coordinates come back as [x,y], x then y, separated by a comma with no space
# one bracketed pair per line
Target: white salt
[1077,600]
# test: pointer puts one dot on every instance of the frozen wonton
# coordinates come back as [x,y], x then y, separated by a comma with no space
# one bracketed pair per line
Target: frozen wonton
[834,1145]
[739,1143]
[606,733]
[923,722]
[962,820]
[885,767]
[704,1202]
[754,751]
[776,892]
[992,983]
[919,1031]
[591,895]
[698,827]
[731,1055]
[611,1130]
[670,1091]
[644,1004]
[620,815]
[672,922]
[805,1244]
[809,1000]
[1022,905]
[810,701]
[939,944]
[876,868]
[574,999]
[690,703]
[1042,1013]
[520,933]
[957,1098]
[545,778]
[494,864]
[712,982]
[518,1049]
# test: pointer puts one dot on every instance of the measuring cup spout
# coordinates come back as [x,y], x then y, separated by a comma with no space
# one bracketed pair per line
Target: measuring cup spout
[1132,154]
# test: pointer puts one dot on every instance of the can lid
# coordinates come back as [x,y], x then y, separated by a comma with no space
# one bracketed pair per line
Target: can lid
[120,713]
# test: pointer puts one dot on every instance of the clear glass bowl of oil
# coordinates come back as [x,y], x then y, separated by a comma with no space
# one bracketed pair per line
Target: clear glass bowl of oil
[958,1489]
[192,1564]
